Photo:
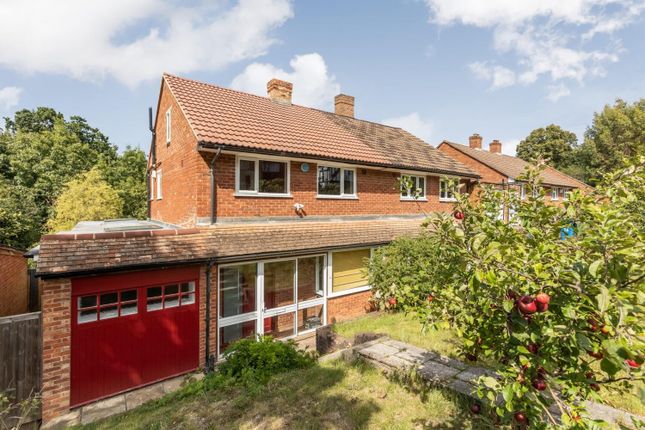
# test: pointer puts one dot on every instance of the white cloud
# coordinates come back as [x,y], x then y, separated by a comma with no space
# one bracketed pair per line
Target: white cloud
[93,40]
[414,124]
[499,76]
[313,86]
[547,38]
[9,97]
[556,92]
[509,147]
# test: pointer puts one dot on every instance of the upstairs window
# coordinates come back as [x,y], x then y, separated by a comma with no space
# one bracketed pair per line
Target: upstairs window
[446,191]
[413,187]
[336,182]
[168,126]
[262,177]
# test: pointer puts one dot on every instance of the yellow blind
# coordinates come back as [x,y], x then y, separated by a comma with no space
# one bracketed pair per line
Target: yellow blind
[349,269]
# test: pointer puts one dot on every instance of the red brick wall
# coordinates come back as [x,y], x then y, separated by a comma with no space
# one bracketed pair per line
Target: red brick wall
[185,176]
[56,314]
[347,307]
[378,194]
[14,283]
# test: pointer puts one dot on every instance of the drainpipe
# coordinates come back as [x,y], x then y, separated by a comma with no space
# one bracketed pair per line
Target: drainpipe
[212,172]
[209,362]
[153,158]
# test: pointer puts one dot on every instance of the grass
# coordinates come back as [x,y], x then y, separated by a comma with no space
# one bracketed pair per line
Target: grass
[406,328]
[403,328]
[332,395]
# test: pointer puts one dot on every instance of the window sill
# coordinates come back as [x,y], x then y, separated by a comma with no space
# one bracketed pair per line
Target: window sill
[409,199]
[332,295]
[447,200]
[264,195]
[322,196]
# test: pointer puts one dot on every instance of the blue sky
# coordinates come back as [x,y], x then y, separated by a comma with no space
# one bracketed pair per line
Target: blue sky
[442,69]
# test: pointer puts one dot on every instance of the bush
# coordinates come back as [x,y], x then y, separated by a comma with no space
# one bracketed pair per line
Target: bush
[250,360]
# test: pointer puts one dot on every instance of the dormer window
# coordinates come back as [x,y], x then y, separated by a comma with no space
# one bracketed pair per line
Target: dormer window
[168,125]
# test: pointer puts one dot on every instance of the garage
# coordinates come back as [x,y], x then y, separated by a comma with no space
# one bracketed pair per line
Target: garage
[132,329]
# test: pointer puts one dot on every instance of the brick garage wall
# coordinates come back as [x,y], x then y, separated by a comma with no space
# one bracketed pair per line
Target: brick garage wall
[185,175]
[56,315]
[14,282]
[347,307]
[378,194]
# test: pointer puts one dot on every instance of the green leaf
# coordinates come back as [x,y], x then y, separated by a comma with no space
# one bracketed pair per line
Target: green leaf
[593,267]
[610,365]
[583,342]
[508,305]
[489,382]
[603,299]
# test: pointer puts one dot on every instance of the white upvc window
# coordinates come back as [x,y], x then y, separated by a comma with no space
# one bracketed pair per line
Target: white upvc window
[347,271]
[159,185]
[168,125]
[413,187]
[566,193]
[262,177]
[554,194]
[153,177]
[522,191]
[336,182]
[446,192]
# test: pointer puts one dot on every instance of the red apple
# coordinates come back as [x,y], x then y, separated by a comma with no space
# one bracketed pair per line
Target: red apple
[527,305]
[539,384]
[599,355]
[632,363]
[533,348]
[604,330]
[392,301]
[593,325]
[541,307]
[475,408]
[543,298]
[459,215]
[594,387]
[430,298]
[520,417]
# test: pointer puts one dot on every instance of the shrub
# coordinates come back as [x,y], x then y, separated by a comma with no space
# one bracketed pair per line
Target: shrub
[257,360]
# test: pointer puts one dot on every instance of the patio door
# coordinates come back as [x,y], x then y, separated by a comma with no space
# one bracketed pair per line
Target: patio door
[282,298]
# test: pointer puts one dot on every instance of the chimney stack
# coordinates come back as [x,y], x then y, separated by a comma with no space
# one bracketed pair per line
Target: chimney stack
[344,105]
[495,147]
[475,141]
[280,91]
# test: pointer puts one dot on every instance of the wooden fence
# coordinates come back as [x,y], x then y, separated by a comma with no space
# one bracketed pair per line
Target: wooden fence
[20,357]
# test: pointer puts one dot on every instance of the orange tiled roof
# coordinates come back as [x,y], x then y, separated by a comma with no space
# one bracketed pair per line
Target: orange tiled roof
[514,167]
[65,254]
[220,116]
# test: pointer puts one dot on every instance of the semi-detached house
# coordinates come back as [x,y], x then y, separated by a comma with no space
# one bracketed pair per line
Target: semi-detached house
[262,215]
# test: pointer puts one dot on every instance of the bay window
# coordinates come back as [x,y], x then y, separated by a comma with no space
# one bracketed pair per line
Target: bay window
[336,182]
[262,177]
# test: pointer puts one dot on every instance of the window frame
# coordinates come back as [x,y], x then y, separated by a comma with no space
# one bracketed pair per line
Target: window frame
[153,183]
[556,191]
[446,199]
[98,306]
[256,184]
[410,197]
[168,125]
[522,191]
[342,195]
[179,295]
[159,184]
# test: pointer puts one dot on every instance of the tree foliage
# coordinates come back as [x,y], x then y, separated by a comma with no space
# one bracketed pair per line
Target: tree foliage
[87,198]
[41,151]
[551,143]
[482,277]
[18,215]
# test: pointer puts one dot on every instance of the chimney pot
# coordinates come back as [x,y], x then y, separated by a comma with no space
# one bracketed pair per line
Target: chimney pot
[280,91]
[495,147]
[344,105]
[475,141]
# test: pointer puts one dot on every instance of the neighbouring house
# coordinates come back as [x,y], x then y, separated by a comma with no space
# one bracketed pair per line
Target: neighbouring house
[14,282]
[262,216]
[503,171]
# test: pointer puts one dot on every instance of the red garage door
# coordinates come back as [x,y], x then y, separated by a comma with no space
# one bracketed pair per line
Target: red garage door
[132,329]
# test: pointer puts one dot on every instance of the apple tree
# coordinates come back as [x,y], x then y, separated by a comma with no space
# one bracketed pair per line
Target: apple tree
[554,297]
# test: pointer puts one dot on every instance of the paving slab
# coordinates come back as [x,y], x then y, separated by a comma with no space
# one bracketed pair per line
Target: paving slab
[462,387]
[173,384]
[72,418]
[417,355]
[471,374]
[451,362]
[378,351]
[433,371]
[397,362]
[139,397]
[102,409]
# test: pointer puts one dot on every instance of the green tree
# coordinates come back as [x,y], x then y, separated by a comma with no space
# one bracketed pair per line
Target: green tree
[127,175]
[19,222]
[616,137]
[557,315]
[87,197]
[551,143]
